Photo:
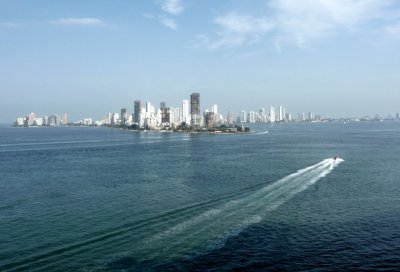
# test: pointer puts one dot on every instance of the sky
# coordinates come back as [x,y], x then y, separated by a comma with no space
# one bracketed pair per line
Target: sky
[338,58]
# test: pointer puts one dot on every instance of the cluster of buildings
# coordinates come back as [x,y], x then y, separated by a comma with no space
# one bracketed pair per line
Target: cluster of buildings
[188,114]
[33,120]
[53,120]
[147,116]
[273,115]
[378,118]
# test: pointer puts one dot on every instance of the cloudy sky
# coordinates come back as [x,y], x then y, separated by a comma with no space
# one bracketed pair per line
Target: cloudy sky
[87,58]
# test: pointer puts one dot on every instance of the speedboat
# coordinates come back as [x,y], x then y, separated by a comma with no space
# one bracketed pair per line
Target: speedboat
[335,157]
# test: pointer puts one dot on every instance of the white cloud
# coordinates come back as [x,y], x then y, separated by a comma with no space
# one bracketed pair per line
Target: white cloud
[308,20]
[300,23]
[174,7]
[236,30]
[242,24]
[393,30]
[78,21]
[8,24]
[168,22]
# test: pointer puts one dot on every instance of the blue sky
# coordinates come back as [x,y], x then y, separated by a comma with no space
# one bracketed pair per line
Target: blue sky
[87,58]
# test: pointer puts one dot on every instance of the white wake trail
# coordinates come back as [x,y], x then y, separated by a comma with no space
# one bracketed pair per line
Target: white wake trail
[211,228]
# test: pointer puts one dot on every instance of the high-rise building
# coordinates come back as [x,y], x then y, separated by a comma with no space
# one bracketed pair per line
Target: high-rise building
[171,114]
[214,109]
[137,109]
[263,115]
[243,117]
[64,119]
[30,119]
[165,113]
[19,122]
[210,119]
[149,119]
[310,116]
[54,120]
[124,116]
[114,118]
[397,116]
[45,120]
[302,117]
[252,117]
[87,121]
[280,116]
[185,111]
[272,115]
[229,118]
[177,116]
[195,109]
[108,118]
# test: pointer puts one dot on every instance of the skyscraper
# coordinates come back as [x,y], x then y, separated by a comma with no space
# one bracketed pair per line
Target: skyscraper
[124,116]
[64,119]
[243,117]
[214,109]
[185,111]
[302,117]
[165,113]
[263,115]
[252,117]
[280,116]
[229,118]
[210,119]
[310,116]
[195,109]
[114,118]
[54,120]
[137,109]
[272,115]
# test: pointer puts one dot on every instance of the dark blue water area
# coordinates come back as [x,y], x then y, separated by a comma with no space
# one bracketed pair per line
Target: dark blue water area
[102,199]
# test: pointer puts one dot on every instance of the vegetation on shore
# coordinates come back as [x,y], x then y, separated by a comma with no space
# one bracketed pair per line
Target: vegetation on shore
[183,127]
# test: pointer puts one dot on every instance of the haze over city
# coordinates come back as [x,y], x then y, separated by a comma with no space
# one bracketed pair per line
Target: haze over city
[337,58]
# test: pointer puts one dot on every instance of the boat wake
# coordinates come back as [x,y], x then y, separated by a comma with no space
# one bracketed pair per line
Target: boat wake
[189,231]
[211,228]
[261,132]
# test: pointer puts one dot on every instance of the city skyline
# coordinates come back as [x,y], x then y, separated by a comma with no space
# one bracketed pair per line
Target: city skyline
[337,58]
[189,113]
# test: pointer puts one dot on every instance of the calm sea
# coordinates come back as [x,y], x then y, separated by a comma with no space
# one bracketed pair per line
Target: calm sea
[101,199]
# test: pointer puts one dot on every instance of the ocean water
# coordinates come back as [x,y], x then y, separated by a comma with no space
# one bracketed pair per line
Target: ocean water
[101,199]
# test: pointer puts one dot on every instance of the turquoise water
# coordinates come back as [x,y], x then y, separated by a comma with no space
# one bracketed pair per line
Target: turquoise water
[101,199]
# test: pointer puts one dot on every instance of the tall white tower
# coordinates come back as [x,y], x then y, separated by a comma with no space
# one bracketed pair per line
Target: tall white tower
[185,111]
[214,109]
[243,117]
[272,115]
[252,117]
